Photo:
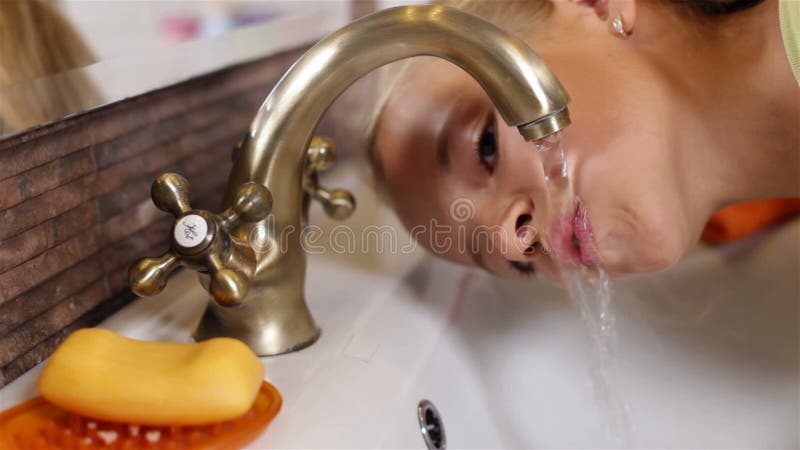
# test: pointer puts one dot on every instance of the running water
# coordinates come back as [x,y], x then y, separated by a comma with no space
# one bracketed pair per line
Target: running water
[587,283]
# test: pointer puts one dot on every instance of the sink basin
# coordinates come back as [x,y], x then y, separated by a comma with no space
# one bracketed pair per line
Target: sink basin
[707,354]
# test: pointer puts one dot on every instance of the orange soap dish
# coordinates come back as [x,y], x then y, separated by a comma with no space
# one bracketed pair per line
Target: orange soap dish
[39,425]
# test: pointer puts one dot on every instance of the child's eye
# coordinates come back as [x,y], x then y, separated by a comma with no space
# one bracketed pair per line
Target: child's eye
[486,147]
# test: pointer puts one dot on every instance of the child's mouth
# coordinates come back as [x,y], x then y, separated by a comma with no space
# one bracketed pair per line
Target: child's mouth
[572,241]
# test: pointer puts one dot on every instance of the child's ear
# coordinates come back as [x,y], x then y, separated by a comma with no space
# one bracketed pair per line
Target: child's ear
[619,14]
[621,17]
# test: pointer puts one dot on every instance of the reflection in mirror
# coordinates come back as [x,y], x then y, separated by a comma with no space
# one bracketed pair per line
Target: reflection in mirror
[62,57]
[36,40]
[120,28]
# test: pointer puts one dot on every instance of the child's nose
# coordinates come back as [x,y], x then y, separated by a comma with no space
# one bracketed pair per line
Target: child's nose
[520,234]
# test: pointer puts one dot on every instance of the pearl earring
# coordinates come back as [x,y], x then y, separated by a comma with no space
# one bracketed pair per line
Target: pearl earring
[619,27]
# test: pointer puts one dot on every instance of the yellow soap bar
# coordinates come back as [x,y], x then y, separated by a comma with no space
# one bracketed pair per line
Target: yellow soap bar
[98,373]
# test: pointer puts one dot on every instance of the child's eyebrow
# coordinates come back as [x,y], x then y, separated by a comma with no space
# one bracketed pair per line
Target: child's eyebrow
[442,139]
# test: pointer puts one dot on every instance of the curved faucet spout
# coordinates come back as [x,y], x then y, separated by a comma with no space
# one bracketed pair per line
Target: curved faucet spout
[274,318]
[521,86]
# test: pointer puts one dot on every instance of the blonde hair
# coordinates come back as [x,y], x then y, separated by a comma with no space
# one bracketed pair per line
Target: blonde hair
[36,40]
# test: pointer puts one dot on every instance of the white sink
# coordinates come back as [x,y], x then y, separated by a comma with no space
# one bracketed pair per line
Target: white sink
[708,354]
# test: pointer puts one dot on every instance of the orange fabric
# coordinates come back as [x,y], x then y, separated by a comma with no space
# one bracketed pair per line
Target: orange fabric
[744,219]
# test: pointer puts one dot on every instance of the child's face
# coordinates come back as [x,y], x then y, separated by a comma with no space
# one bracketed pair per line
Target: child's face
[453,170]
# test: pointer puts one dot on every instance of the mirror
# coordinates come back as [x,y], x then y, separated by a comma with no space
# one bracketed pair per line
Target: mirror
[62,57]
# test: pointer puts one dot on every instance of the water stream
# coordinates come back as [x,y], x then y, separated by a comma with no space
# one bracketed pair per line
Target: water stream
[589,290]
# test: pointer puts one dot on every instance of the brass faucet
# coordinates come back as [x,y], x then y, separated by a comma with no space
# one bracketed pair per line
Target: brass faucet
[251,261]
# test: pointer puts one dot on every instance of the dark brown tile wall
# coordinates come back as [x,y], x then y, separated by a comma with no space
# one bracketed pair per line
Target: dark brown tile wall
[74,200]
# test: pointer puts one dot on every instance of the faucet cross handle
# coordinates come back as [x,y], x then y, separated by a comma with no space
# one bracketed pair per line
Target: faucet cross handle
[338,204]
[202,240]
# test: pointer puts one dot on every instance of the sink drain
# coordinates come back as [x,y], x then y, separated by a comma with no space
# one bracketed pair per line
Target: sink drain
[431,426]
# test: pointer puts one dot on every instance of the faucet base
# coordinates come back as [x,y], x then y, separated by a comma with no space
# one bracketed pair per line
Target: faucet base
[262,340]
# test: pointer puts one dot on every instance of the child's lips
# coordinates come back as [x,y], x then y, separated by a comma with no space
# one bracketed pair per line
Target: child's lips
[572,240]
